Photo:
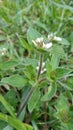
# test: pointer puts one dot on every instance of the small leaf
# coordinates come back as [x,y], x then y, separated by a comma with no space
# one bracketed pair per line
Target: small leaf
[15,123]
[9,108]
[34,100]
[62,103]
[32,34]
[25,44]
[64,42]
[15,81]
[62,72]
[8,65]
[50,94]
[29,61]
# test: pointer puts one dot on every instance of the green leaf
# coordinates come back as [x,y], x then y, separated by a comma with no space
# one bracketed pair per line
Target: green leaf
[57,54]
[67,7]
[64,42]
[8,65]
[62,103]
[58,50]
[25,44]
[55,61]
[62,72]
[8,128]
[66,86]
[32,34]
[62,108]
[30,73]
[34,99]
[15,123]
[9,108]
[29,61]
[50,94]
[15,81]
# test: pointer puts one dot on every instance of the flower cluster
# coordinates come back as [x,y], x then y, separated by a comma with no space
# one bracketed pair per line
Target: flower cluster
[52,37]
[40,43]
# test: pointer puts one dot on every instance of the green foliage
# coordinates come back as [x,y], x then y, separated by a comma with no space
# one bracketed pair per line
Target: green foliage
[15,80]
[36,86]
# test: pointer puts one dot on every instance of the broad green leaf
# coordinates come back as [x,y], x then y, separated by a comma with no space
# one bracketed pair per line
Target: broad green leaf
[29,61]
[62,108]
[50,94]
[34,100]
[11,96]
[15,123]
[66,86]
[9,108]
[25,44]
[62,72]
[55,61]
[57,54]
[58,50]
[30,73]
[15,81]
[8,65]
[62,103]
[32,34]
[64,42]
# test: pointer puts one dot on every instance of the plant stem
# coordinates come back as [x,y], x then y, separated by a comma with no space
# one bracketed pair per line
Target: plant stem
[40,66]
[25,102]
[32,89]
[45,112]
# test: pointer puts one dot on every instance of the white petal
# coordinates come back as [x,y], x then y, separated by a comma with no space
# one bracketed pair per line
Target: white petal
[3,53]
[44,70]
[40,39]
[48,45]
[34,42]
[57,39]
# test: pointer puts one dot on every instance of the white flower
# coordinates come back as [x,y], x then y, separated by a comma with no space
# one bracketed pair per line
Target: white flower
[39,43]
[39,39]
[48,45]
[57,39]
[52,37]
[3,53]
[43,70]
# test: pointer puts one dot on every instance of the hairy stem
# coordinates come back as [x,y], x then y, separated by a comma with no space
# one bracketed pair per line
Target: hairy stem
[45,112]
[32,89]
[40,66]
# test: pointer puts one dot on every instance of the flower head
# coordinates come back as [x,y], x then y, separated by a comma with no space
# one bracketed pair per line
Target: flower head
[39,43]
[52,37]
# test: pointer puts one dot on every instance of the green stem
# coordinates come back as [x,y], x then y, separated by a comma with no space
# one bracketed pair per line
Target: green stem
[32,89]
[40,66]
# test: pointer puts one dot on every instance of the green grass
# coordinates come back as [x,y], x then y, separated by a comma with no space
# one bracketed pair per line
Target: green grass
[51,93]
